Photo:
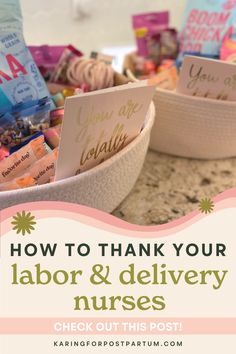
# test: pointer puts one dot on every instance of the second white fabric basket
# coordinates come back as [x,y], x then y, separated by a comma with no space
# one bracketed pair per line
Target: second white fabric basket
[193,127]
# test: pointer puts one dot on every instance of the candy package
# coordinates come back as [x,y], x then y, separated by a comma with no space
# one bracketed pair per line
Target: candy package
[43,169]
[163,45]
[205,24]
[46,58]
[59,75]
[146,26]
[20,79]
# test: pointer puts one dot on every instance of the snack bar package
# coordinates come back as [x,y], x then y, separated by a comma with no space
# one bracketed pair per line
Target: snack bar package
[46,58]
[146,26]
[20,79]
[18,183]
[205,24]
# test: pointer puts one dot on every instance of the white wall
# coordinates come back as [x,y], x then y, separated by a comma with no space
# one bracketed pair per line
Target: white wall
[108,21]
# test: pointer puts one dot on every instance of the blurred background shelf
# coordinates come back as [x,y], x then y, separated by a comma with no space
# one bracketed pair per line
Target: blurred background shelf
[99,23]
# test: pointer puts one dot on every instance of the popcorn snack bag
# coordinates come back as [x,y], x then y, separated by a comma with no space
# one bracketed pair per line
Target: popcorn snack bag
[20,80]
[205,24]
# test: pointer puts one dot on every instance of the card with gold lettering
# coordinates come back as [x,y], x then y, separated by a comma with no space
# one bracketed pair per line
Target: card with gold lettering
[207,78]
[99,124]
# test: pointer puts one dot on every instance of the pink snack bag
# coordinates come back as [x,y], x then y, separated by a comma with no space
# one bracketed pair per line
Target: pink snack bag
[46,57]
[146,25]
[59,74]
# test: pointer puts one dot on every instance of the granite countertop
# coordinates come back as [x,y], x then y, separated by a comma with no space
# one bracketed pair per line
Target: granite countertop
[170,187]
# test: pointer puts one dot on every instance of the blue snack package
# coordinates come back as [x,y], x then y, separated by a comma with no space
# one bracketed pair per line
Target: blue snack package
[25,142]
[23,121]
[205,24]
[15,148]
[20,79]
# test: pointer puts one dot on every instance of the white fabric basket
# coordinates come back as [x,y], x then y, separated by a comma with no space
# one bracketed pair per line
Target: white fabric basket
[103,187]
[193,127]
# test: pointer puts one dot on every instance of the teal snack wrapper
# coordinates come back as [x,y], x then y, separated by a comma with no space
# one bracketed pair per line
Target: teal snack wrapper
[20,79]
[205,24]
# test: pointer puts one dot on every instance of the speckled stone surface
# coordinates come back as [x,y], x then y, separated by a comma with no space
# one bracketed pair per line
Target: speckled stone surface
[170,187]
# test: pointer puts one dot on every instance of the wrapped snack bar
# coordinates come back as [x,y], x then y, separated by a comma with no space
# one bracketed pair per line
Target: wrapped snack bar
[18,183]
[44,169]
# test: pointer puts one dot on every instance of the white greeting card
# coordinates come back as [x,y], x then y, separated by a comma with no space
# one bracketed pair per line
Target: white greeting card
[98,124]
[207,78]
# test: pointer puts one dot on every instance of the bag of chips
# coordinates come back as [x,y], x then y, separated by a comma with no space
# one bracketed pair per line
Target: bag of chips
[20,79]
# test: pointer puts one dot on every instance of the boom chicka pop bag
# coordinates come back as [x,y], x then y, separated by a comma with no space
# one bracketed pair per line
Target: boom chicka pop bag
[205,24]
[20,80]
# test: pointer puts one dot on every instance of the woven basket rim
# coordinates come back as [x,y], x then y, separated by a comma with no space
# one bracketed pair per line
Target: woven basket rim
[192,99]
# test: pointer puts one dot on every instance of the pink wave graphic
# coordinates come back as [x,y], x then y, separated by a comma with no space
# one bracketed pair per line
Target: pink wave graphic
[107,222]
